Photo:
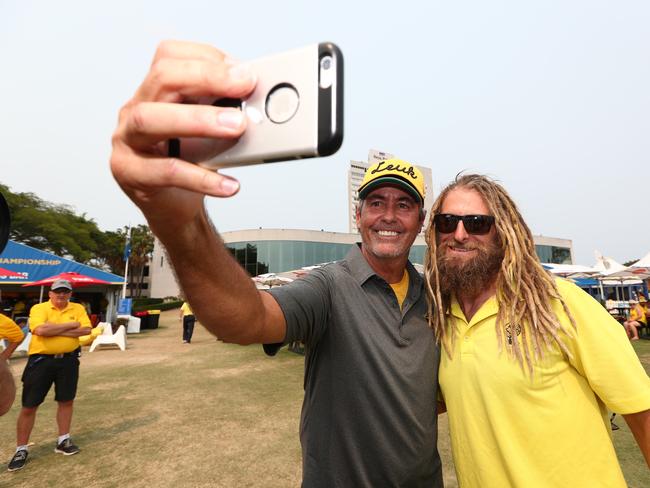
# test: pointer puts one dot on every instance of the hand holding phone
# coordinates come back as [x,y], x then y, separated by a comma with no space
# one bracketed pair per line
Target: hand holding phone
[296,110]
[280,107]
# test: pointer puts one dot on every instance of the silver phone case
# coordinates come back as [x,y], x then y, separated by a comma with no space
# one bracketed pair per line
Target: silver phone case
[315,129]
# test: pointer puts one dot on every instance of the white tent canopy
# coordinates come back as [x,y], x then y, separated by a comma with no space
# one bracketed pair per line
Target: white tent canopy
[570,269]
[270,280]
[607,266]
[644,262]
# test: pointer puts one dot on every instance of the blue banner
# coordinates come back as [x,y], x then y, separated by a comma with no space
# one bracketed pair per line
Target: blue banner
[34,265]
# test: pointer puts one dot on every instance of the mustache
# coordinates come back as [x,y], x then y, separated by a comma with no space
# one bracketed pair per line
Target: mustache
[464,247]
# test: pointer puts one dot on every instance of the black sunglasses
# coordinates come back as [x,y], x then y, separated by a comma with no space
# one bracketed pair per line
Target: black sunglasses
[474,224]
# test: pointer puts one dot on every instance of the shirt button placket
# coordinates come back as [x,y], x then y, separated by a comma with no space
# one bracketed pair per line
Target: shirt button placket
[466,345]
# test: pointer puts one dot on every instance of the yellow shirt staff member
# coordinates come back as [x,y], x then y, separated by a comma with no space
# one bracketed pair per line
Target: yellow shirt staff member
[187,316]
[10,331]
[54,350]
[55,326]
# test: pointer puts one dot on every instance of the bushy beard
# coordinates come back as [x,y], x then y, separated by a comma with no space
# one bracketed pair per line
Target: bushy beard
[469,278]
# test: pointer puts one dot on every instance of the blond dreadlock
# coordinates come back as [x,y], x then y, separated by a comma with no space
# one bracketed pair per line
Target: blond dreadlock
[524,289]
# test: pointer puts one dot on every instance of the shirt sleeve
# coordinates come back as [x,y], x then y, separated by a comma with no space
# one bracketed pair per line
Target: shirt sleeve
[9,330]
[83,318]
[305,304]
[37,317]
[603,354]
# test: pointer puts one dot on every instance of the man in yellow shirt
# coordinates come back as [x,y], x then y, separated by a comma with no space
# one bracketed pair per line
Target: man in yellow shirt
[530,364]
[56,326]
[10,331]
[188,319]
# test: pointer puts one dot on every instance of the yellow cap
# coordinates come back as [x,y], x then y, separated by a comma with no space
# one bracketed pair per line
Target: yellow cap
[394,172]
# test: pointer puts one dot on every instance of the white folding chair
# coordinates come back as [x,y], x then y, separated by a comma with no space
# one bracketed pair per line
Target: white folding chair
[133,326]
[107,337]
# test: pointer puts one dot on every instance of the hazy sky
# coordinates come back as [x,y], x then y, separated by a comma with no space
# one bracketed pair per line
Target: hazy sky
[550,97]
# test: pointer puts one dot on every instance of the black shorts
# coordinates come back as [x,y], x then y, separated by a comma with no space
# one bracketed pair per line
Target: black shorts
[42,370]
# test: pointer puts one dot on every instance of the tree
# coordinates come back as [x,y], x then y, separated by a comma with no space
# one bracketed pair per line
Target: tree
[141,250]
[110,254]
[57,229]
[51,227]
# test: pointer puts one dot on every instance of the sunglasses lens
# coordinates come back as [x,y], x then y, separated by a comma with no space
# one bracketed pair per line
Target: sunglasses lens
[474,224]
[446,223]
[477,224]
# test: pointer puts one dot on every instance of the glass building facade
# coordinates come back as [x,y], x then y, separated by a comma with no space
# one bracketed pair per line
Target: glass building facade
[259,257]
[553,254]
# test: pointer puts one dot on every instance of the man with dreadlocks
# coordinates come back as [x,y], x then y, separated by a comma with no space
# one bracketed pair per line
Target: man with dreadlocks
[530,363]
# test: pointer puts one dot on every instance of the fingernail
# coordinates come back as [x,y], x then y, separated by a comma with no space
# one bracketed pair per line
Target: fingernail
[231,118]
[241,72]
[229,186]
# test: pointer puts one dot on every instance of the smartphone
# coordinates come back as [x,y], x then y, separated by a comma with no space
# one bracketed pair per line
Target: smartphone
[295,112]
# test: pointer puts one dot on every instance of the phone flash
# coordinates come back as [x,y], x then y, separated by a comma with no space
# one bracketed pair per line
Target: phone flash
[327,74]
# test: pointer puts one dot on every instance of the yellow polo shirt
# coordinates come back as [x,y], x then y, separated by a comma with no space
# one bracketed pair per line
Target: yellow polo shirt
[47,312]
[9,330]
[509,429]
[186,309]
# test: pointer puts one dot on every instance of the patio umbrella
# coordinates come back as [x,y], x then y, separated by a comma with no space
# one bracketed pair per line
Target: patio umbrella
[614,273]
[76,279]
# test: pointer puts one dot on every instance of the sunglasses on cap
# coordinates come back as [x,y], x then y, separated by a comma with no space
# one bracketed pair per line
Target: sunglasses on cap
[474,224]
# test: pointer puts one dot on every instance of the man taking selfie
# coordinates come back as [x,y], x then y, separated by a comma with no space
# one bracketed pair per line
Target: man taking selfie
[368,416]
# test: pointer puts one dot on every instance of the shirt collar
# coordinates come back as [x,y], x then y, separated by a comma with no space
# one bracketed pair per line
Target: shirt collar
[59,310]
[488,309]
[362,272]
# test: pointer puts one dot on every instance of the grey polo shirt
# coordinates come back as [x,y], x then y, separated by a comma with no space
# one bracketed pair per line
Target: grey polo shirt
[369,413]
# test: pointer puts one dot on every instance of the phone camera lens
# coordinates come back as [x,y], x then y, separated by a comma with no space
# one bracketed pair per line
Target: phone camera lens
[326,62]
[282,103]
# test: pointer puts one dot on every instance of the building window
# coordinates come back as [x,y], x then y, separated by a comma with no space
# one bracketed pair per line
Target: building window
[553,254]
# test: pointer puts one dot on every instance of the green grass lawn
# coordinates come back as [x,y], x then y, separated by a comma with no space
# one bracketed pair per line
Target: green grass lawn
[164,414]
[634,466]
